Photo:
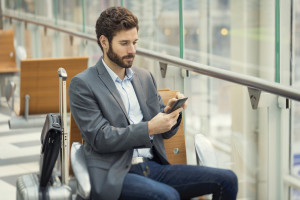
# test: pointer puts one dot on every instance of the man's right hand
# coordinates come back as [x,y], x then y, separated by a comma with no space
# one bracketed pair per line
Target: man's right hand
[163,122]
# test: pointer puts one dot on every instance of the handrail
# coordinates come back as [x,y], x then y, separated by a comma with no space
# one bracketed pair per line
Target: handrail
[215,72]
[226,75]
[51,26]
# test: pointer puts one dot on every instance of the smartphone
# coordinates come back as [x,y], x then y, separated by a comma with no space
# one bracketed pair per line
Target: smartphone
[179,103]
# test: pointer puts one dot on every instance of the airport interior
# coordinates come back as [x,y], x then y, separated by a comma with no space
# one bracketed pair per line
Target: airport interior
[235,60]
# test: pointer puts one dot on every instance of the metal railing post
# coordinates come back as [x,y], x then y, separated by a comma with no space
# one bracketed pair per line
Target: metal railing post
[1,20]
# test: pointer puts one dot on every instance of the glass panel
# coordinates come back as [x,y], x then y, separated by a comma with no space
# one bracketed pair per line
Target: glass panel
[295,194]
[207,32]
[47,44]
[10,4]
[71,45]
[233,36]
[69,13]
[93,51]
[27,6]
[93,8]
[295,149]
[158,24]
[43,8]
[28,37]
[227,35]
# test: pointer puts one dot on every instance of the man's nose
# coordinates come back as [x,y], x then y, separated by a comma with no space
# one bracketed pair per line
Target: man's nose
[132,49]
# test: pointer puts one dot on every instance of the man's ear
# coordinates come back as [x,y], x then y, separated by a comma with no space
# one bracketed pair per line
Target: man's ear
[104,42]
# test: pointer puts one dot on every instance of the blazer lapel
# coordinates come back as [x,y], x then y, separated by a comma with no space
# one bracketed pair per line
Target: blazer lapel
[108,82]
[141,97]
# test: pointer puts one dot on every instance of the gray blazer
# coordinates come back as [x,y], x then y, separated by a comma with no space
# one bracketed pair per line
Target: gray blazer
[104,125]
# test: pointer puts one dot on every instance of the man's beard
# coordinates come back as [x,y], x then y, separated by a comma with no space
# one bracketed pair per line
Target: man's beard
[119,60]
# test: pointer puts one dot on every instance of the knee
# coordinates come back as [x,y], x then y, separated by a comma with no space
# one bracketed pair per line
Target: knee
[170,194]
[234,179]
[231,181]
[174,195]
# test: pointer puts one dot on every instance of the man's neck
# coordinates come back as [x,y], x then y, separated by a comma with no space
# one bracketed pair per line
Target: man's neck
[120,71]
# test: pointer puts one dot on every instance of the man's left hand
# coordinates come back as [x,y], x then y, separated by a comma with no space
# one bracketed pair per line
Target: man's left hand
[173,100]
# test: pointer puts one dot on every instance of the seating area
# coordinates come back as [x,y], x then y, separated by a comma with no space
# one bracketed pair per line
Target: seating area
[39,88]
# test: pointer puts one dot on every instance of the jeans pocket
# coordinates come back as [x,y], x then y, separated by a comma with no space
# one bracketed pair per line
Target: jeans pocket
[140,169]
[145,169]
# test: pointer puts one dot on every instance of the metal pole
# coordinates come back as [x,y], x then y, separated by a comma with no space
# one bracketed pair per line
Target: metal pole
[63,117]
[226,75]
[1,21]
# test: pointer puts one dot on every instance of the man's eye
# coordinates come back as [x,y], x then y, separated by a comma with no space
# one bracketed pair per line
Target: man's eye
[124,43]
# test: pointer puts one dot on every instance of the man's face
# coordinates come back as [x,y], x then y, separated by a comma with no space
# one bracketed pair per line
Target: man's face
[122,48]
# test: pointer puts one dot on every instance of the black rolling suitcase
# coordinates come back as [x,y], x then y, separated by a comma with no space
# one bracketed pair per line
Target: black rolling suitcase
[54,142]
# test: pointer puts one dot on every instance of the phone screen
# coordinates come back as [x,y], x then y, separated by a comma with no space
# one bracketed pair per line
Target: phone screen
[179,103]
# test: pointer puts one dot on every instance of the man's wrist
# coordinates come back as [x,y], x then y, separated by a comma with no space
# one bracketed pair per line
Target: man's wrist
[150,128]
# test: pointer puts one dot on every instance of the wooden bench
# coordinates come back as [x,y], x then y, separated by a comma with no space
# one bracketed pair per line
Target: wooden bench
[39,83]
[175,146]
[8,64]
[7,52]
[39,80]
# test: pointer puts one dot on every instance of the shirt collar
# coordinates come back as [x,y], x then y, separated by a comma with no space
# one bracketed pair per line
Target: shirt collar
[129,73]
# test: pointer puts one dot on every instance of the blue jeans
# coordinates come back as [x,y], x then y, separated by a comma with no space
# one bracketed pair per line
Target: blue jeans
[153,181]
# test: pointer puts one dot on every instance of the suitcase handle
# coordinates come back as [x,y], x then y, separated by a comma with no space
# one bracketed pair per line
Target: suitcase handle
[62,73]
[63,119]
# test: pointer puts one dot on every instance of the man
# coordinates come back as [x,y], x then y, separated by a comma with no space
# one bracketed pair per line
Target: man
[123,122]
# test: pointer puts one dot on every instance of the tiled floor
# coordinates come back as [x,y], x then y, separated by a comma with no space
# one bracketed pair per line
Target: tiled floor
[19,153]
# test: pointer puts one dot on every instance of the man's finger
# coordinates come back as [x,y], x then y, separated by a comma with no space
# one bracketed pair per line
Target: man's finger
[179,95]
[176,112]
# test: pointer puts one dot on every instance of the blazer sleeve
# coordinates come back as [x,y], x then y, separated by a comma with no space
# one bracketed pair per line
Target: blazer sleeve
[175,128]
[96,129]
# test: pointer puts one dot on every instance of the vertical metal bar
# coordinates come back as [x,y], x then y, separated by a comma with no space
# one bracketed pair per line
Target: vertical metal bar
[277,41]
[122,3]
[26,112]
[286,190]
[278,130]
[181,29]
[19,5]
[83,16]
[63,116]
[55,11]
[1,21]
[35,8]
[291,43]
[277,79]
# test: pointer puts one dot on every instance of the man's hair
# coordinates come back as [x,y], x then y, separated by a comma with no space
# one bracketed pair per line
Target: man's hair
[113,20]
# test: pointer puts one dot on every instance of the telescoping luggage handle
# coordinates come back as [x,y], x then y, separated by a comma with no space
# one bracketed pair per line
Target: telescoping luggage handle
[63,115]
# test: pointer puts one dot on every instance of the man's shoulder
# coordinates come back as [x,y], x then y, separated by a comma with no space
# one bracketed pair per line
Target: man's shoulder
[140,71]
[87,73]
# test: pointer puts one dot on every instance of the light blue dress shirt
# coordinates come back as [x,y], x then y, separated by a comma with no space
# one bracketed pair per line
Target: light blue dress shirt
[131,104]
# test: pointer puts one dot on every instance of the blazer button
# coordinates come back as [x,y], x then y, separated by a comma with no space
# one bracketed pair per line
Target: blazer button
[127,166]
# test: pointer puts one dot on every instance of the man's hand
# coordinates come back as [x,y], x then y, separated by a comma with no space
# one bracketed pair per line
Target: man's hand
[173,100]
[163,122]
